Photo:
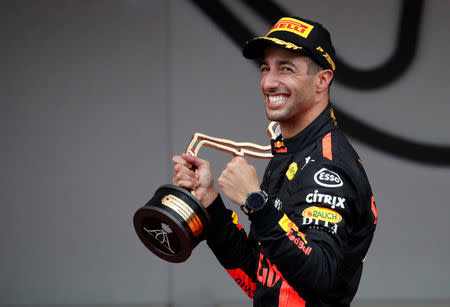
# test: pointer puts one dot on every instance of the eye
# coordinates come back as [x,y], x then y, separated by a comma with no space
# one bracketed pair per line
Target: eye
[286,68]
[264,68]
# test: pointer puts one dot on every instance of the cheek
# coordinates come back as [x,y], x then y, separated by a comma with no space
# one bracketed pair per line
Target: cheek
[261,83]
[304,87]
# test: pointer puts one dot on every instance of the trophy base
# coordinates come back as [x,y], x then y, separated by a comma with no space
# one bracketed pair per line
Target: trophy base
[172,223]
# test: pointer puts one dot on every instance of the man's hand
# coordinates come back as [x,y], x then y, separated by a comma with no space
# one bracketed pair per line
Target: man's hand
[238,179]
[201,182]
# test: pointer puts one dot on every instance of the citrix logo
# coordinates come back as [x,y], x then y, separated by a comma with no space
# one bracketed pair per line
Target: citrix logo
[334,201]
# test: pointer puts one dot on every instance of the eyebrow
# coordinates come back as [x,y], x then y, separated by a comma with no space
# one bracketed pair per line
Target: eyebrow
[280,62]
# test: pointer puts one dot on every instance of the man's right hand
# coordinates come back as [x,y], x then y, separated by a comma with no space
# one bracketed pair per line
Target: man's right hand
[200,181]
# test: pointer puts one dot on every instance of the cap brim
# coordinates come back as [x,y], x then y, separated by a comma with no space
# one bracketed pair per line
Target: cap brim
[254,49]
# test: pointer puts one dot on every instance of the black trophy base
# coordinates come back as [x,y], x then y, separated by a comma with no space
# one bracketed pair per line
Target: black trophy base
[172,223]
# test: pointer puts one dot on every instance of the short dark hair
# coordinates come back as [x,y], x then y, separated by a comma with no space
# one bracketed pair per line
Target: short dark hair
[313,67]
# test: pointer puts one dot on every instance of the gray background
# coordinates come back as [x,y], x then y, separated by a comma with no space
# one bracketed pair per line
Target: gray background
[96,96]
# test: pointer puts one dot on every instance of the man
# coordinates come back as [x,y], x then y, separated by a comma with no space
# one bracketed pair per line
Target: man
[313,216]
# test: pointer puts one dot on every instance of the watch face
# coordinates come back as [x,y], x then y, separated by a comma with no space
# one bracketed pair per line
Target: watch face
[255,201]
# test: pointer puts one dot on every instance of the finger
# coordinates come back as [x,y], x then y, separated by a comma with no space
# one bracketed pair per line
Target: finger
[221,178]
[188,158]
[187,178]
[182,161]
[230,165]
[181,170]
[224,179]
[187,184]
[239,160]
[196,162]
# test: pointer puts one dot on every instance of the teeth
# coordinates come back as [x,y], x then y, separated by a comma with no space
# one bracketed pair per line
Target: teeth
[277,99]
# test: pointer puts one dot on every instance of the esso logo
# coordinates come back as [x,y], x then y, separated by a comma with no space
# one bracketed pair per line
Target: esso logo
[327,178]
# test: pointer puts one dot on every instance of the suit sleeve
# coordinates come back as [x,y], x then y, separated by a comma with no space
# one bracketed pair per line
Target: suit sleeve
[307,242]
[231,246]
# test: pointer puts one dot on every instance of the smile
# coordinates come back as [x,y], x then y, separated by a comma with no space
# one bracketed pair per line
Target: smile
[276,100]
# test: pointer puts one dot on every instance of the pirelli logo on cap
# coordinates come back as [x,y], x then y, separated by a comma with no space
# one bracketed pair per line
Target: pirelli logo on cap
[292,25]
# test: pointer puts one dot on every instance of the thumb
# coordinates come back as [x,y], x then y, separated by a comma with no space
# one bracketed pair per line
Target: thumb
[195,161]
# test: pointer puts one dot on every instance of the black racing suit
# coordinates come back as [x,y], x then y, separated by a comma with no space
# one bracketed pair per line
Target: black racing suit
[306,246]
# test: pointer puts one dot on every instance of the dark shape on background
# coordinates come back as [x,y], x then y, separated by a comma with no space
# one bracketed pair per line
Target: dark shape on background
[391,144]
[391,70]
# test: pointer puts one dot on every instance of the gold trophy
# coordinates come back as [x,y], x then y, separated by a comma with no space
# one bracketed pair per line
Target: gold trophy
[174,222]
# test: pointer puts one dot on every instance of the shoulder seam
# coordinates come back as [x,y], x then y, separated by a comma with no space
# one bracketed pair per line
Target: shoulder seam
[327,150]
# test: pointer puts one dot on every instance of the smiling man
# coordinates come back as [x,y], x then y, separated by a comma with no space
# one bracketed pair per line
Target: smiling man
[295,90]
[313,216]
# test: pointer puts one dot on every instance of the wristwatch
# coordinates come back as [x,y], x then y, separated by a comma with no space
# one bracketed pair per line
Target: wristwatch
[255,201]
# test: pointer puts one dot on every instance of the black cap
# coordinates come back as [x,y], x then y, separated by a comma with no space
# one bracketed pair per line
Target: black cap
[297,35]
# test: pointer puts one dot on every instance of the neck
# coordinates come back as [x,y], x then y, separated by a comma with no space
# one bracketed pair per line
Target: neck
[295,126]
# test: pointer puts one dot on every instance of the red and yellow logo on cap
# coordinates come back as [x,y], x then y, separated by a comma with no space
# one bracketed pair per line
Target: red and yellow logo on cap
[292,25]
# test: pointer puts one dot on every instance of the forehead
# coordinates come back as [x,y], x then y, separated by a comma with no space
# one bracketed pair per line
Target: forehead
[277,54]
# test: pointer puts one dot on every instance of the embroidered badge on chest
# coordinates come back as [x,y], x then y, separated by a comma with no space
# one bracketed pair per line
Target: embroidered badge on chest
[292,170]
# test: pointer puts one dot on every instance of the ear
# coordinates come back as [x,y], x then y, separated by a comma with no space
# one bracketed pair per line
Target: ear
[323,79]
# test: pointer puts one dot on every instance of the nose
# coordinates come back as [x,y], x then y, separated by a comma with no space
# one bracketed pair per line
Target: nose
[269,81]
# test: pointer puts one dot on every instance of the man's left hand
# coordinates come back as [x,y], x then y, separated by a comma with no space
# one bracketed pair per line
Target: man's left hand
[238,179]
